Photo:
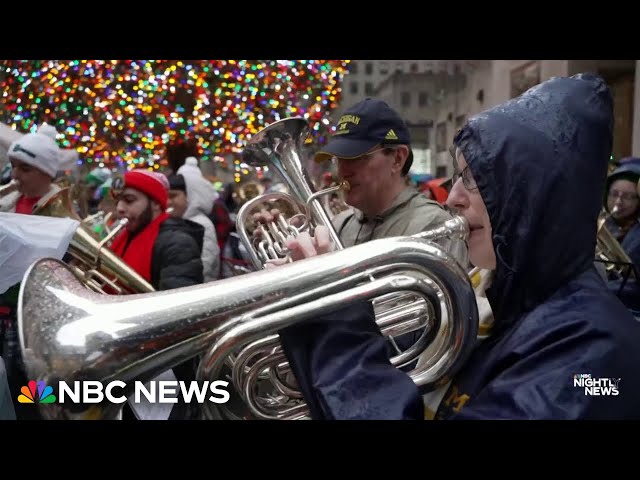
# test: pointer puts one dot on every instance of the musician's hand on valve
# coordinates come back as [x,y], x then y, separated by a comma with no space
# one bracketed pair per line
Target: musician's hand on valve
[263,219]
[305,246]
[301,246]
[265,216]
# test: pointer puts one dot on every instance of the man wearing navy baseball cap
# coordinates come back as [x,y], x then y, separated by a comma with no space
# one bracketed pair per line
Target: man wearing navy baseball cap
[372,148]
[363,127]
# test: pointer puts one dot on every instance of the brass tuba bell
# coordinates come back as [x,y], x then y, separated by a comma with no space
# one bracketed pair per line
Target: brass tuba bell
[95,265]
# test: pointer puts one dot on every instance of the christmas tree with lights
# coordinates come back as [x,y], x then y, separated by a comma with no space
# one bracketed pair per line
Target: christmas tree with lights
[129,113]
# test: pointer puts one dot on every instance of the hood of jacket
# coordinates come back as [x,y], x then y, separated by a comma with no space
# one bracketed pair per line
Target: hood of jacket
[540,162]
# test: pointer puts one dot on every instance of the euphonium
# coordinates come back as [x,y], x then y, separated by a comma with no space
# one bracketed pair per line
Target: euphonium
[97,267]
[280,145]
[68,333]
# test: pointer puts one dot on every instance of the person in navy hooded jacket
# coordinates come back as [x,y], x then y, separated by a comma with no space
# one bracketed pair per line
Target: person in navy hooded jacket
[530,175]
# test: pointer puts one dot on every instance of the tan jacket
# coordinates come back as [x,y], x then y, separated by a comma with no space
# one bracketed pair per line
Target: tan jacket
[410,213]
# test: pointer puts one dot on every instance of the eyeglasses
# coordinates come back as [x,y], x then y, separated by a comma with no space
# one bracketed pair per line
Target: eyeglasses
[467,179]
[627,197]
[365,156]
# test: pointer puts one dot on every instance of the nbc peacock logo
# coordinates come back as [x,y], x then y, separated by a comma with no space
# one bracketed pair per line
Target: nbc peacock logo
[28,395]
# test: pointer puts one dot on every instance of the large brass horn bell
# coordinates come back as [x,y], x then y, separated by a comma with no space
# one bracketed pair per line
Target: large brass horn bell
[95,265]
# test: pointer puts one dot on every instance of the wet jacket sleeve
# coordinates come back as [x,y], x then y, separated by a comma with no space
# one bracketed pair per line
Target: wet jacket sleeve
[530,374]
[341,363]
[514,396]
[177,261]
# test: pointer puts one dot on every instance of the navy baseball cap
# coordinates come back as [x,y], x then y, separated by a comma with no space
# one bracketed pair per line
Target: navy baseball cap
[363,126]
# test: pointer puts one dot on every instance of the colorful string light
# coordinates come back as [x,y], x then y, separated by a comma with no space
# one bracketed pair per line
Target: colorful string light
[125,112]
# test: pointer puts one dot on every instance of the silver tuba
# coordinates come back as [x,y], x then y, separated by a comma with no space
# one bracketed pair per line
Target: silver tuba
[69,333]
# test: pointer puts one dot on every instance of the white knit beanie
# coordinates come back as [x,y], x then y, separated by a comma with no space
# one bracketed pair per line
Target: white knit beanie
[190,167]
[39,150]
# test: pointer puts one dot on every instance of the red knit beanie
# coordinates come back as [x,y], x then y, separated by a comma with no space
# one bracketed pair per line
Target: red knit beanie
[153,184]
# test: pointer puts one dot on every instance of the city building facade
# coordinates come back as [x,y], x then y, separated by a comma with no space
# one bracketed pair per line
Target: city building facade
[437,96]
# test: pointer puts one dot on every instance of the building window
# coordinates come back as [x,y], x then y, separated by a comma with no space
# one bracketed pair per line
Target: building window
[423,99]
[399,67]
[353,67]
[354,88]
[414,68]
[405,99]
[368,88]
[384,68]
[421,161]
[368,68]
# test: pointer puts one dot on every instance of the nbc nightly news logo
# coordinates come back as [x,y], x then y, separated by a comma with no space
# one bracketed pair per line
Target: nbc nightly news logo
[93,391]
[596,386]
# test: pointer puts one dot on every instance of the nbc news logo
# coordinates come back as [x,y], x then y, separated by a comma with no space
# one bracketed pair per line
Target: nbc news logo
[44,393]
[92,391]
